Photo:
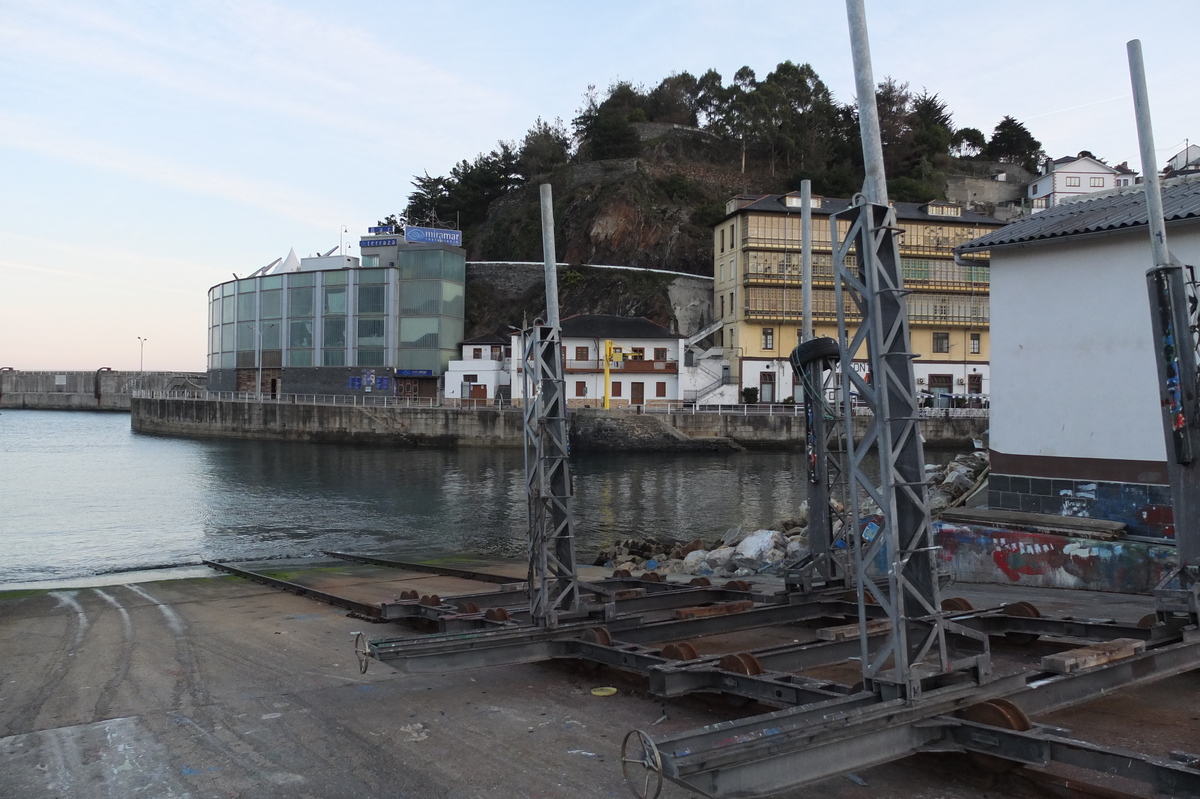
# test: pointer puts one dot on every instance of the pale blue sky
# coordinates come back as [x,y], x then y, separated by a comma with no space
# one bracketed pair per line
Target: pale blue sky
[151,149]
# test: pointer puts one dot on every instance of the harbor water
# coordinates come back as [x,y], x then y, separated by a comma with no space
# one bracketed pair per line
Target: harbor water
[83,495]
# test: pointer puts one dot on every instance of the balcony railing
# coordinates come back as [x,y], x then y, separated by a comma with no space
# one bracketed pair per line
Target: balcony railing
[667,367]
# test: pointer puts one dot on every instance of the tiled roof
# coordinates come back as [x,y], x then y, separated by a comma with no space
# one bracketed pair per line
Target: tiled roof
[488,338]
[612,327]
[1092,213]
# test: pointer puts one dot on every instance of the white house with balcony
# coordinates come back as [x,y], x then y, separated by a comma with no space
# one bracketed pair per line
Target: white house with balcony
[1068,177]
[485,371]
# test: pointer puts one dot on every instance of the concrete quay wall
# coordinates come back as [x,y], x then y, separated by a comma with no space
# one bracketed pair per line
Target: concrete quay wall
[591,429]
[101,390]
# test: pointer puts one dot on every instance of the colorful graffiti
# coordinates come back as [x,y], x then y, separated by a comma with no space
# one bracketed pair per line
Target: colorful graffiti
[978,554]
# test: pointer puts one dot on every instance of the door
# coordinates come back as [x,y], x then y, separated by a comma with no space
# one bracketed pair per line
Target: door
[637,393]
[479,391]
[940,386]
[974,384]
[766,387]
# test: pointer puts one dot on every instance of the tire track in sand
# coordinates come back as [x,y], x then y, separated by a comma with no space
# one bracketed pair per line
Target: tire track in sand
[104,701]
[77,624]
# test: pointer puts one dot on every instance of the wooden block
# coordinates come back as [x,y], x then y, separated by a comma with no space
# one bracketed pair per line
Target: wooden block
[719,609]
[1094,655]
[844,632]
[629,593]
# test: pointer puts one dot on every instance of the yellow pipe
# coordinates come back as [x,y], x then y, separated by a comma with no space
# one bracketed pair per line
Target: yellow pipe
[608,356]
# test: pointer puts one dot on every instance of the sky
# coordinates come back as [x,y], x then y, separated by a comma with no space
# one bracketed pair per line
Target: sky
[148,151]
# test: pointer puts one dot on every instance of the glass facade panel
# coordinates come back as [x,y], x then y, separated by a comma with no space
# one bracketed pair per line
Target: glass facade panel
[421,298]
[246,336]
[228,310]
[226,338]
[272,304]
[228,359]
[454,267]
[246,286]
[451,332]
[298,279]
[370,357]
[335,300]
[271,333]
[245,307]
[419,359]
[300,301]
[214,311]
[453,303]
[370,261]
[334,278]
[300,334]
[419,333]
[228,289]
[300,358]
[333,357]
[421,264]
[335,332]
[370,332]
[272,282]
[371,275]
[371,299]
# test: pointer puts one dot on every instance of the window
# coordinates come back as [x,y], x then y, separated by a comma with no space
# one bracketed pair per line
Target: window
[370,299]
[616,389]
[335,299]
[941,342]
[581,354]
[636,354]
[370,333]
[722,239]
[660,389]
[768,338]
[300,301]
[370,261]
[372,357]
[335,334]
[470,378]
[722,305]
[580,388]
[1072,182]
[660,353]
[975,343]
[1096,183]
[477,353]
[301,336]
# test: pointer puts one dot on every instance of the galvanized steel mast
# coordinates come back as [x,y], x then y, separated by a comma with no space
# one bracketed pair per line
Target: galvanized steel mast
[902,536]
[553,582]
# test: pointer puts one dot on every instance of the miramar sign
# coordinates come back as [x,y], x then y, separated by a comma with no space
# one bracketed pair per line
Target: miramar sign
[429,235]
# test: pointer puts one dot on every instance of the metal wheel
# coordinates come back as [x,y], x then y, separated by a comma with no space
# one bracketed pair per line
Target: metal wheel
[998,713]
[679,651]
[1024,610]
[597,635]
[956,604]
[700,582]
[741,663]
[641,765]
[1148,621]
[362,652]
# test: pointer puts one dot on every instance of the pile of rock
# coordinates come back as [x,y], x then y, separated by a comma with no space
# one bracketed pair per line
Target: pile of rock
[948,483]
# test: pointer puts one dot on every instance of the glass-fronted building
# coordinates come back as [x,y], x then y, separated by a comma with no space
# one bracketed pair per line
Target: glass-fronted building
[389,322]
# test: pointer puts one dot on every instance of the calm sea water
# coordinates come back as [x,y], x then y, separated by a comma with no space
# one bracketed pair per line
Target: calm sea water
[80,494]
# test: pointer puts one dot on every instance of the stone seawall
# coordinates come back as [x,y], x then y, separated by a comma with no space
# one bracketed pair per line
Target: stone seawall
[101,390]
[591,429]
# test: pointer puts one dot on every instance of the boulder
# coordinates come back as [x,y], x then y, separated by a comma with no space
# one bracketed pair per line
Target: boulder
[733,537]
[719,558]
[756,545]
[694,563]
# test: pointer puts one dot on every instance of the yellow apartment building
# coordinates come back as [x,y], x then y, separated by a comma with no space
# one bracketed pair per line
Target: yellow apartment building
[758,293]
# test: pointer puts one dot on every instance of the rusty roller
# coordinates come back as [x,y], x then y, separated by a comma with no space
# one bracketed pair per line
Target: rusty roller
[623,574]
[742,663]
[1023,610]
[597,635]
[737,585]
[468,607]
[431,600]
[998,713]
[956,604]
[700,582]
[496,614]
[679,651]
[652,577]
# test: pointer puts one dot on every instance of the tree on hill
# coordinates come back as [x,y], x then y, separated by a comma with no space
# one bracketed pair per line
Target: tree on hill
[546,147]
[1012,143]
[968,142]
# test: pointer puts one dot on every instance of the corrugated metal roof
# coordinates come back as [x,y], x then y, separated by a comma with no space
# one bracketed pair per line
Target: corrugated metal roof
[1112,210]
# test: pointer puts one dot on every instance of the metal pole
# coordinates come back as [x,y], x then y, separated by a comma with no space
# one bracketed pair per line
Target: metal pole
[258,388]
[875,183]
[550,257]
[1145,132]
[806,256]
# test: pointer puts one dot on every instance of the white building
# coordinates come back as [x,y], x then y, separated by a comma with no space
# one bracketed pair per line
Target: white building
[484,371]
[1076,426]
[1068,177]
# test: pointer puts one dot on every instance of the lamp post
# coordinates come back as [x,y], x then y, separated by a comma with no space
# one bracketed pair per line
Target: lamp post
[341,241]
[142,353]
[258,328]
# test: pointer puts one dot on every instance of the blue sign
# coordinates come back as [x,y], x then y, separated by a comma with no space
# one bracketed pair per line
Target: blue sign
[377,243]
[382,229]
[414,373]
[431,235]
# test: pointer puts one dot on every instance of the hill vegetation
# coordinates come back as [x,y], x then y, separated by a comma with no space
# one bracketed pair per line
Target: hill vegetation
[642,174]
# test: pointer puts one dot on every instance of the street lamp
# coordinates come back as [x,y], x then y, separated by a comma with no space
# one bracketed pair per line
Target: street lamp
[341,245]
[142,353]
[259,330]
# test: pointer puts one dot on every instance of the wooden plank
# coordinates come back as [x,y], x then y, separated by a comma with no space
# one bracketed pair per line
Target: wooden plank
[845,632]
[1100,529]
[1094,655]
[719,609]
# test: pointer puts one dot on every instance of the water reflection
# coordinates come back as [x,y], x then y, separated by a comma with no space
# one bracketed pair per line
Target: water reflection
[83,495]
